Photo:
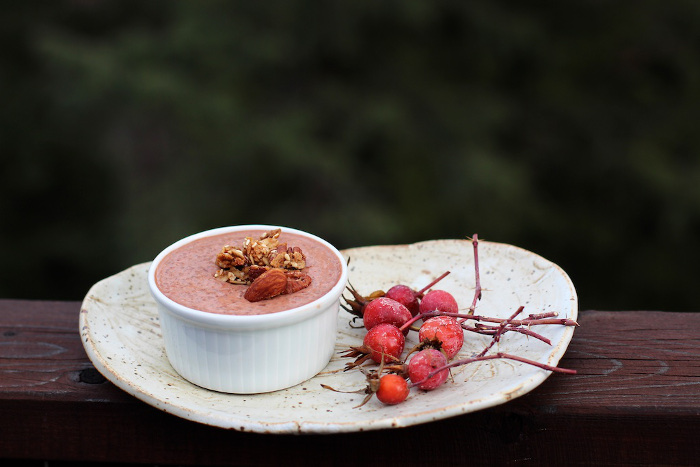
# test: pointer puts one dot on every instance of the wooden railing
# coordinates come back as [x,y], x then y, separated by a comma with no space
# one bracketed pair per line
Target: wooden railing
[635,400]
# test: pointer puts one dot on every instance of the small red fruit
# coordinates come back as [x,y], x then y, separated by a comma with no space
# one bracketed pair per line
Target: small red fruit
[405,296]
[425,362]
[438,300]
[444,331]
[385,310]
[384,340]
[393,389]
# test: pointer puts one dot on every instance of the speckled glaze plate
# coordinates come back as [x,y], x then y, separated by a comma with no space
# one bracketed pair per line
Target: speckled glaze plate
[121,334]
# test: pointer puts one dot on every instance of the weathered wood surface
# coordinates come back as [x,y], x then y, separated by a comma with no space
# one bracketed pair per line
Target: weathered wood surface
[635,400]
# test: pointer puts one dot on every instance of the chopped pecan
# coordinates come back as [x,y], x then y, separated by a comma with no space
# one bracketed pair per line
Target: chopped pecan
[276,256]
[295,258]
[296,280]
[254,271]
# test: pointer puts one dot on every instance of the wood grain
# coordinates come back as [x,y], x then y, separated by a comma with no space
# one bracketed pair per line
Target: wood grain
[635,400]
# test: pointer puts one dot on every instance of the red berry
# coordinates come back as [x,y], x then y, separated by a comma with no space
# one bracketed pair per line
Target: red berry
[405,296]
[393,389]
[384,339]
[385,310]
[445,330]
[438,300]
[425,362]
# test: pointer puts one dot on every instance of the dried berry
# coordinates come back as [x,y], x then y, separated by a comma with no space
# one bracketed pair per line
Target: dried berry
[405,296]
[385,310]
[443,333]
[439,300]
[423,364]
[384,342]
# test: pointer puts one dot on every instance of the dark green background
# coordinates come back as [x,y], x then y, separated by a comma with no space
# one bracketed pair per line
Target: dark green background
[567,128]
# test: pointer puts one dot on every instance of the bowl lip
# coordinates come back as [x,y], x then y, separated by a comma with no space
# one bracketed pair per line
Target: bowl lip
[226,321]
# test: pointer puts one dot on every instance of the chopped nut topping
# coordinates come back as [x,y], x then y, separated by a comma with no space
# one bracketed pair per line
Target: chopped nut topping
[230,257]
[257,256]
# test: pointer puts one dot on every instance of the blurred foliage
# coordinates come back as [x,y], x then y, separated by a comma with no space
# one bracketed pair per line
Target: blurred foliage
[568,129]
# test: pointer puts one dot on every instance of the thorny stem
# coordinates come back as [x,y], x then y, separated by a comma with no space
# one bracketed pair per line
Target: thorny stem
[501,330]
[532,320]
[482,358]
[491,330]
[477,290]
[423,290]
[408,323]
[548,314]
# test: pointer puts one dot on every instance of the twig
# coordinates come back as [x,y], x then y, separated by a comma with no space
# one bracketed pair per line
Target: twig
[477,290]
[501,328]
[527,321]
[514,322]
[481,358]
[491,330]
[548,314]
[422,291]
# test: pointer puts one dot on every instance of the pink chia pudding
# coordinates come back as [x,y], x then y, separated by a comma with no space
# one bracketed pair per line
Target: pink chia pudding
[186,276]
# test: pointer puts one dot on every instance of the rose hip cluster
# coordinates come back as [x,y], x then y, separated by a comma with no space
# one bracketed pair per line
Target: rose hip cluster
[389,316]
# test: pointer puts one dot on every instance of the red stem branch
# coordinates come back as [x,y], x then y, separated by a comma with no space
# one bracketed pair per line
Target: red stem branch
[514,322]
[477,290]
[549,314]
[527,321]
[501,328]
[482,358]
[491,330]
[423,290]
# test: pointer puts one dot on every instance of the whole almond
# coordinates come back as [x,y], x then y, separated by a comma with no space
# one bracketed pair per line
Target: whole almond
[269,284]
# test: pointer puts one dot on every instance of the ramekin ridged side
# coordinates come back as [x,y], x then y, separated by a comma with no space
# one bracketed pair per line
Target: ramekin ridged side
[250,361]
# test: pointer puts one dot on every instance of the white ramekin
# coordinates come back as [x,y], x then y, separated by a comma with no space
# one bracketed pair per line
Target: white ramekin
[249,354]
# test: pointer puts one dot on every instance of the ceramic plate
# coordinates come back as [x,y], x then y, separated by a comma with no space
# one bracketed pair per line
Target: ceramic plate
[120,332]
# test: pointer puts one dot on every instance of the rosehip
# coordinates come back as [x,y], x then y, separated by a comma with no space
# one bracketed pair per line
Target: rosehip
[405,296]
[393,389]
[385,310]
[424,363]
[444,330]
[438,300]
[384,340]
